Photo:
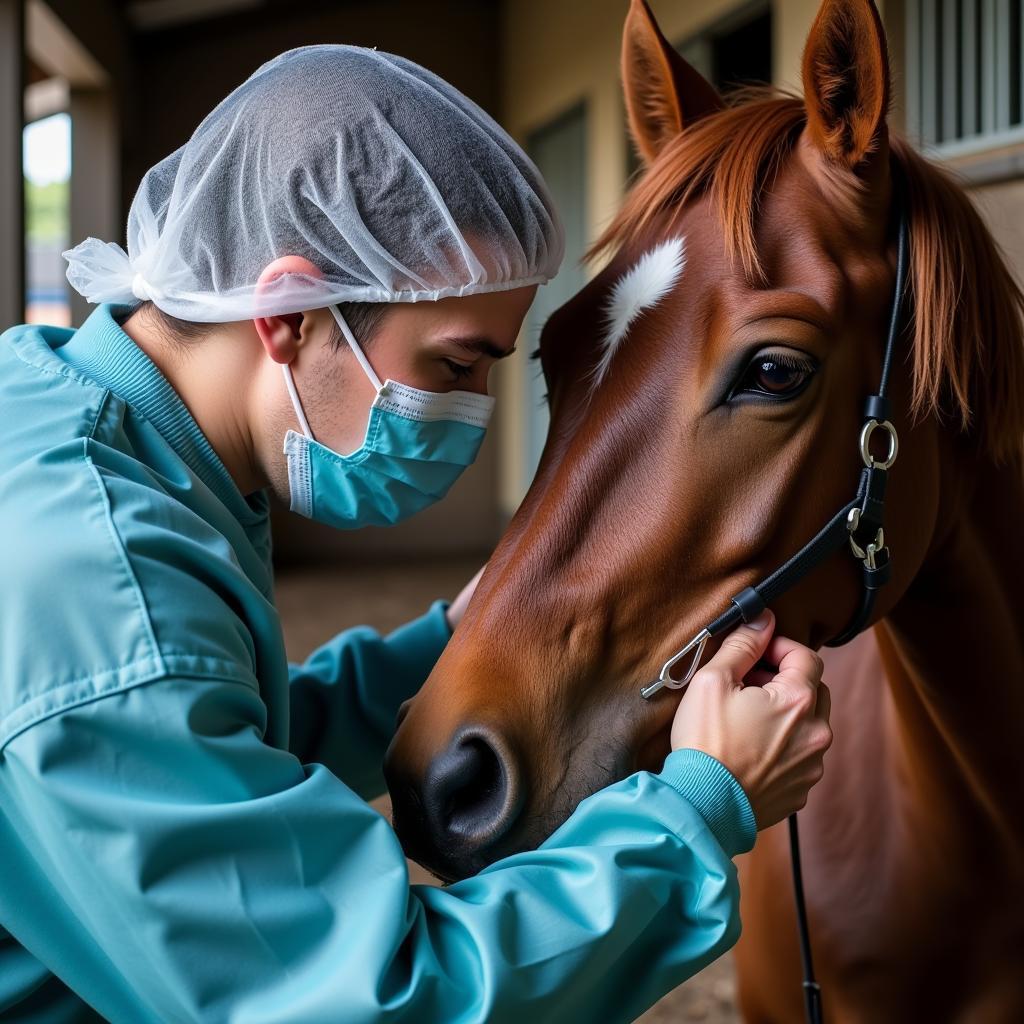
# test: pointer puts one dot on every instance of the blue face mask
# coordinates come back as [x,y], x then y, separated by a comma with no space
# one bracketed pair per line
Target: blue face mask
[417,444]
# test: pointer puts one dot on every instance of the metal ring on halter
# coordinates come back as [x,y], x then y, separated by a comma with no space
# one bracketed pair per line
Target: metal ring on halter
[665,678]
[865,444]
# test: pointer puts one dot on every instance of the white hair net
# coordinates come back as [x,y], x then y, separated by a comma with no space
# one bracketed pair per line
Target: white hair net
[389,181]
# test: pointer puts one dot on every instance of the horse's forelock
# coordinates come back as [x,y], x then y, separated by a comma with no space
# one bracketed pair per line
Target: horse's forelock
[734,154]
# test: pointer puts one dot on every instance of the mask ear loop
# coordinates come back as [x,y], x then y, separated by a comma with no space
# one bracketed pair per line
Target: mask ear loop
[296,403]
[356,350]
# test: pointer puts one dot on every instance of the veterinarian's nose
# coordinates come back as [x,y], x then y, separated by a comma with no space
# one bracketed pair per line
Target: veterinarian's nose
[468,799]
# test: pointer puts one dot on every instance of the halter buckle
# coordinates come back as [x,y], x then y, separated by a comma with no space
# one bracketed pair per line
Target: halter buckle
[867,555]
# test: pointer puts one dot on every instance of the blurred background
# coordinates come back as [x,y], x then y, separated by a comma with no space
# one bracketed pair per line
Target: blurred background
[93,92]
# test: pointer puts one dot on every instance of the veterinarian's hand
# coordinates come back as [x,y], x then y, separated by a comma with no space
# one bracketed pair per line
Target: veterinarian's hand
[458,607]
[769,728]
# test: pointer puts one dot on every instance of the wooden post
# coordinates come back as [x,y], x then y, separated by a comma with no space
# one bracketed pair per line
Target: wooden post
[95,192]
[12,189]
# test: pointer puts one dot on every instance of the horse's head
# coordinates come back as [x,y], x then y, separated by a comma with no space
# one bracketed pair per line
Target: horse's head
[706,392]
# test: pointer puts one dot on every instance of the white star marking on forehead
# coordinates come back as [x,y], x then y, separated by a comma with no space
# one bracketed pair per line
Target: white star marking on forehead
[648,281]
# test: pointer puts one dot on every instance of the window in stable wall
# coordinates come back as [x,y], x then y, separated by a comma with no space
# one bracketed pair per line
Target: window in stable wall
[46,164]
[559,151]
[964,73]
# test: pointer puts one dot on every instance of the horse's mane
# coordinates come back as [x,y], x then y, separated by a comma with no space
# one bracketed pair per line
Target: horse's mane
[968,338]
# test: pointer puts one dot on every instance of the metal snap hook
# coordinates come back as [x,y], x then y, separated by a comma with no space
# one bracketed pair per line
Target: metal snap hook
[665,678]
[866,555]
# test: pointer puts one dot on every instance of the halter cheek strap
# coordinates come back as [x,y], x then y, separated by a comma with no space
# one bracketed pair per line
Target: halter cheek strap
[858,523]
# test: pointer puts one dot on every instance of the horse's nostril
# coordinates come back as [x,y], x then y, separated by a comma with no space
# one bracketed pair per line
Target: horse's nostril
[459,815]
[471,791]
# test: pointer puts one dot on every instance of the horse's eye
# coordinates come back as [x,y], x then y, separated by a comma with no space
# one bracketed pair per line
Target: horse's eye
[772,375]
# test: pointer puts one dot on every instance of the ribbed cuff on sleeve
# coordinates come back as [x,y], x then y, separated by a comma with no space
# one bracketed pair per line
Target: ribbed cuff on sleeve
[711,788]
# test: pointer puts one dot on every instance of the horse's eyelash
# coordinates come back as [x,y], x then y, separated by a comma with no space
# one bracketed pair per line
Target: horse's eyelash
[535,354]
[788,361]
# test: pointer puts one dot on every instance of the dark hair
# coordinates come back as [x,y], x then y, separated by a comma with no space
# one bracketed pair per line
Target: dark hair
[362,317]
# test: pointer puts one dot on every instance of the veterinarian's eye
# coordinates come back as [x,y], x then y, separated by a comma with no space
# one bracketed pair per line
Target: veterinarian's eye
[458,370]
[775,375]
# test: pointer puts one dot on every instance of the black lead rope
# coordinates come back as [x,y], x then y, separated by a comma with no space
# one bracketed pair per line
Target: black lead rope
[812,990]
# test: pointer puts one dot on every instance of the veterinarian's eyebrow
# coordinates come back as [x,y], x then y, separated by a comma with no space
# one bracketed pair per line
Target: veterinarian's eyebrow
[479,346]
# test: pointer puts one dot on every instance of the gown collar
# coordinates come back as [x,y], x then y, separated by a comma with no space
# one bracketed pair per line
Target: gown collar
[102,351]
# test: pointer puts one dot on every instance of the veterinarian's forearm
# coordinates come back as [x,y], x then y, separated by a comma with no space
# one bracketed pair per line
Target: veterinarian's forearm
[230,882]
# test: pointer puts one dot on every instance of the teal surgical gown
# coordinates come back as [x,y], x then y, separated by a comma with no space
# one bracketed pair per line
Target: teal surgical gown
[183,828]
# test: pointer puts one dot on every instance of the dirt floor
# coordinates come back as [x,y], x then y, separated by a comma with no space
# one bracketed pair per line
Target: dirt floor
[315,605]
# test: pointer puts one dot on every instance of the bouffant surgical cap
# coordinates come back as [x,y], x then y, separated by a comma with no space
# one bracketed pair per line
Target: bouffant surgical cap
[390,182]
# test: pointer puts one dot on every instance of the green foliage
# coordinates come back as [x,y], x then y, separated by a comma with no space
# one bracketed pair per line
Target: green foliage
[46,211]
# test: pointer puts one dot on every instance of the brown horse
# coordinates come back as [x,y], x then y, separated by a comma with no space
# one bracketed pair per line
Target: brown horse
[706,393]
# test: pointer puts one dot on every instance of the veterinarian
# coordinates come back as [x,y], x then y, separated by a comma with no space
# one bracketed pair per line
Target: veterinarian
[316,286]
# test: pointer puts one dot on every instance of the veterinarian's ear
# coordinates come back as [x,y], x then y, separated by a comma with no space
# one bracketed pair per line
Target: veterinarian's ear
[846,85]
[663,93]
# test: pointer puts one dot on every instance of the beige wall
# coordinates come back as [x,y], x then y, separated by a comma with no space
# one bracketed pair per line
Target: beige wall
[555,54]
[1002,206]
[995,178]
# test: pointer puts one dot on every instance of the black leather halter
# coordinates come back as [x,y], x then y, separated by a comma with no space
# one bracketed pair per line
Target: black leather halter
[858,523]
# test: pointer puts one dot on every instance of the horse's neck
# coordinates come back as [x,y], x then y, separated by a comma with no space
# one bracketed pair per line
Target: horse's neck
[954,654]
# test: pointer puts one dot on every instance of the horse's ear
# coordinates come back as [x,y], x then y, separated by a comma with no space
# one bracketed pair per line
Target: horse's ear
[664,94]
[846,81]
